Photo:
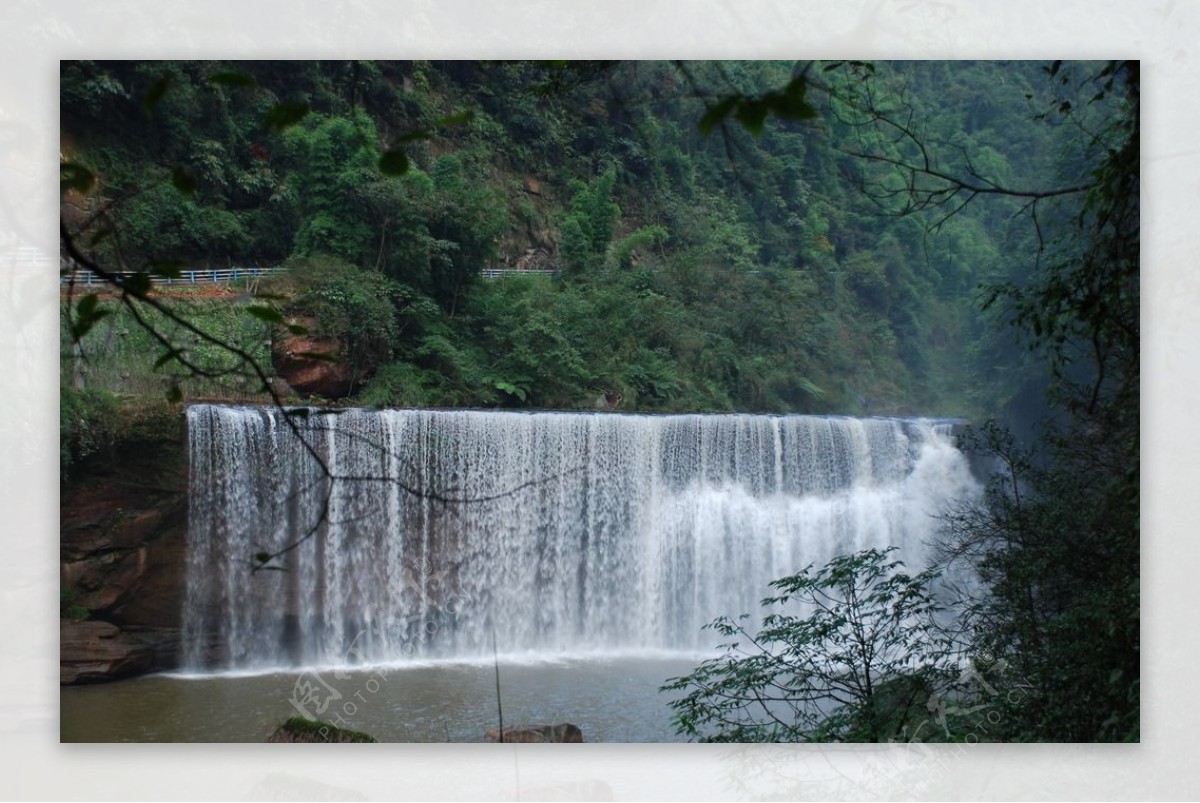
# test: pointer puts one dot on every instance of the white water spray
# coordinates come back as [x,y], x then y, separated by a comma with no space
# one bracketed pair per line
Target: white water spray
[565,532]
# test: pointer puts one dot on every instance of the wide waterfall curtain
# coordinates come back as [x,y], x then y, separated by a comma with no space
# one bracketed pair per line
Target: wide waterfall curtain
[409,533]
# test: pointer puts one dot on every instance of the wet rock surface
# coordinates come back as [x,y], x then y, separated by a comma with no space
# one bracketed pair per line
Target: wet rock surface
[123,523]
[92,652]
[564,732]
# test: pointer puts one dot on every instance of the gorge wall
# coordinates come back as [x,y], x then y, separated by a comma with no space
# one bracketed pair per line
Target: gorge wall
[123,548]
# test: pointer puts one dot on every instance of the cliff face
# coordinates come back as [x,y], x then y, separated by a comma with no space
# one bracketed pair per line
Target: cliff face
[123,527]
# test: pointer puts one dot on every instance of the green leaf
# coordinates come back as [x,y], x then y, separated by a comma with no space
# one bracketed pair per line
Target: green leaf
[167,269]
[174,394]
[184,181]
[84,325]
[789,104]
[232,79]
[297,329]
[155,93]
[86,307]
[74,176]
[393,163]
[137,284]
[265,313]
[87,314]
[717,112]
[170,354]
[413,136]
[811,389]
[285,114]
[510,389]
[751,114]
[316,355]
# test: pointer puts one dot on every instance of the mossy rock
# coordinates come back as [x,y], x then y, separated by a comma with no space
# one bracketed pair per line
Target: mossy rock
[300,729]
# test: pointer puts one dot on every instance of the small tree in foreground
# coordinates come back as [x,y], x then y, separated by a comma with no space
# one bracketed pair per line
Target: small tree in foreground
[861,663]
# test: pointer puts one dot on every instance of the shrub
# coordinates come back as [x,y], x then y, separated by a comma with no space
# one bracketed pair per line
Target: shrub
[357,307]
[858,663]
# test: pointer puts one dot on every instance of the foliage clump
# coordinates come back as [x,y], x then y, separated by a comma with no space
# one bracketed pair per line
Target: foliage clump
[715,268]
[848,652]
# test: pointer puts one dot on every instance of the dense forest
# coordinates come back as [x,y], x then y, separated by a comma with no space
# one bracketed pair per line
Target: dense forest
[727,271]
[953,239]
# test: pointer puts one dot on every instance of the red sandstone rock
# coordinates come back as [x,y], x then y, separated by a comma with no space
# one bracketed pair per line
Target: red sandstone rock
[329,378]
[123,557]
[91,652]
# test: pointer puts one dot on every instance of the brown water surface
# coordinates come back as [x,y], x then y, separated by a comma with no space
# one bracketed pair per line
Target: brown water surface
[612,699]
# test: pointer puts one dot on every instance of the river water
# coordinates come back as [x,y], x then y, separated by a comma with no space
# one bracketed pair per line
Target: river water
[612,698]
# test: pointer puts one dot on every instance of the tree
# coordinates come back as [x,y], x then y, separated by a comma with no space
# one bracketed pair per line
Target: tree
[1056,539]
[588,227]
[857,659]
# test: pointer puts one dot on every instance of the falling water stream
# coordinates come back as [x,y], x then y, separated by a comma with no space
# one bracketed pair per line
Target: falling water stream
[414,535]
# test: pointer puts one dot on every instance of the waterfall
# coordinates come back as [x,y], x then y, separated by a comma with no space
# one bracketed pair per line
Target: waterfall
[425,531]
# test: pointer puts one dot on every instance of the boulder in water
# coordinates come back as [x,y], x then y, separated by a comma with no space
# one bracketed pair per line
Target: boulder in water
[300,729]
[565,732]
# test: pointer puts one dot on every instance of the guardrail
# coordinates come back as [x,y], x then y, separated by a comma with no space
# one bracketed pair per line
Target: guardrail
[200,276]
[225,275]
[500,273]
